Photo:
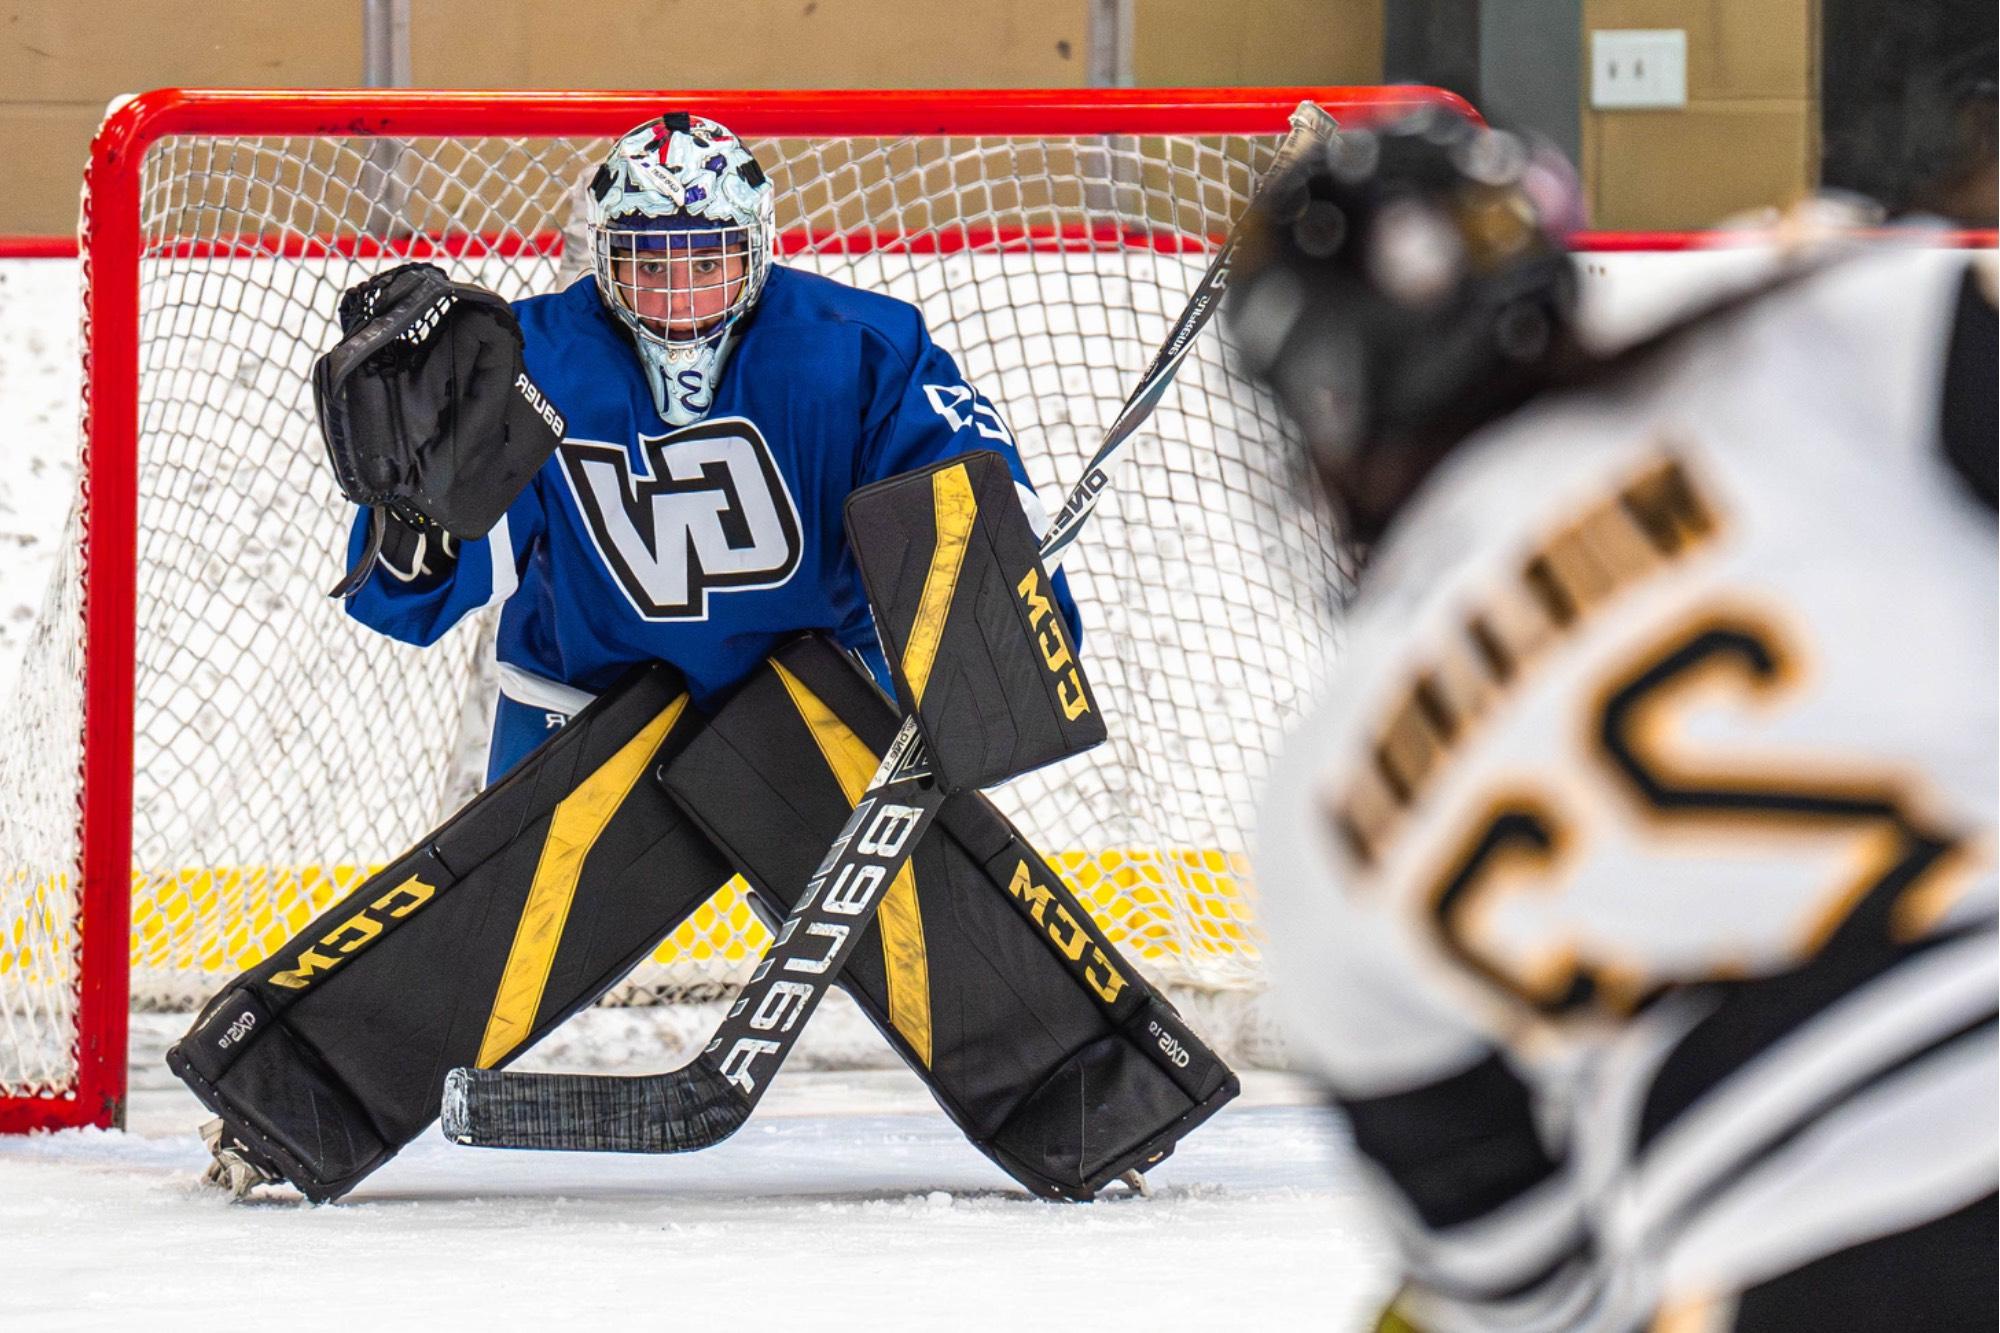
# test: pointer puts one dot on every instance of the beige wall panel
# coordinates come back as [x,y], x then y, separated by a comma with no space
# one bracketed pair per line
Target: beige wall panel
[59,65]
[44,146]
[1736,48]
[1692,168]
[55,52]
[750,44]
[1182,44]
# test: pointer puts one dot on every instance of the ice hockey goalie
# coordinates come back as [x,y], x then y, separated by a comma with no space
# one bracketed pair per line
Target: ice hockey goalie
[1633,890]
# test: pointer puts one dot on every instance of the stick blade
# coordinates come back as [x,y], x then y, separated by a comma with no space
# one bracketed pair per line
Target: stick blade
[684,1110]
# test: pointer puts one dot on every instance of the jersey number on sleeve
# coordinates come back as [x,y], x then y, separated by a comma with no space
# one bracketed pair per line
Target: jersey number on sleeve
[947,399]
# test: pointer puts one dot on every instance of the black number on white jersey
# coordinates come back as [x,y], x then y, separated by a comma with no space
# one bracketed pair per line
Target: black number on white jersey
[709,513]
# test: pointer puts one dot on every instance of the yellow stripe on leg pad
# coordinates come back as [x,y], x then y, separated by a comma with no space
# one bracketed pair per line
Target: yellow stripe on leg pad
[579,820]
[853,763]
[951,494]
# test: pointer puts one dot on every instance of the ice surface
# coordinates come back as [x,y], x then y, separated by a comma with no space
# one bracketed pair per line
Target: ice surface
[848,1202]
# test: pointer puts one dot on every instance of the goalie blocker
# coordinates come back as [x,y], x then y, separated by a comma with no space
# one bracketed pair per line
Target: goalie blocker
[968,621]
[982,970]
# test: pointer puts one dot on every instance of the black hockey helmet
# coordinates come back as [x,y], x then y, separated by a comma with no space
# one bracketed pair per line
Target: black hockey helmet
[1403,288]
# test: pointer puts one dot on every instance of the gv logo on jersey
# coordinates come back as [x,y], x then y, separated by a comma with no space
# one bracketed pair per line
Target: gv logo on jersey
[710,512]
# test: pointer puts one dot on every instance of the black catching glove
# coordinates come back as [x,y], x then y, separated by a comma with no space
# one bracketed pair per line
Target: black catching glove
[429,417]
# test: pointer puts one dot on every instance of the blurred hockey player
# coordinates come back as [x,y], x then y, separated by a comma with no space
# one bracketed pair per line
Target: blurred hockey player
[1633,888]
[720,407]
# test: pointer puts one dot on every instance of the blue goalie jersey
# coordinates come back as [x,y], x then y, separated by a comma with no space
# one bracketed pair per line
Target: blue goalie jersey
[703,546]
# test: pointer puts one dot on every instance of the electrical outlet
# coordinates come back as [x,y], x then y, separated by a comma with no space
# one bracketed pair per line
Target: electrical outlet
[1638,67]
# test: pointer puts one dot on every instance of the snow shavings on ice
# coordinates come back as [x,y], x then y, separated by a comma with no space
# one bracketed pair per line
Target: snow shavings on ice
[811,1217]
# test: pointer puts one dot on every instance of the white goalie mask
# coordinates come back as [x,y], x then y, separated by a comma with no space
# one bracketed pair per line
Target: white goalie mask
[680,223]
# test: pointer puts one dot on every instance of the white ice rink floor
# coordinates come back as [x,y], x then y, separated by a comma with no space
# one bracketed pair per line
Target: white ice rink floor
[849,1201]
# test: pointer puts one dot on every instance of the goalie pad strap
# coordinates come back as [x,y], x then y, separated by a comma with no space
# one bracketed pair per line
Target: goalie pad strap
[1030,1029]
[529,904]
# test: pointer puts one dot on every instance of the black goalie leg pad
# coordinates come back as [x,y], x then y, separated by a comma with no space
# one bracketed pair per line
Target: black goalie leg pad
[1047,1048]
[528,905]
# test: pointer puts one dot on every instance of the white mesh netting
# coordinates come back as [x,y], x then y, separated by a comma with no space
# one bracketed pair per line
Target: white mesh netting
[282,750]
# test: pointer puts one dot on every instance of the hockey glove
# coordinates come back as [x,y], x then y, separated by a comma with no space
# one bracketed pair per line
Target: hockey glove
[426,408]
[968,621]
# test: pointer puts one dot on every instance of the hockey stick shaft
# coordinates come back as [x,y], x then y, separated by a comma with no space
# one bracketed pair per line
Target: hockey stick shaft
[706,1100]
[1310,125]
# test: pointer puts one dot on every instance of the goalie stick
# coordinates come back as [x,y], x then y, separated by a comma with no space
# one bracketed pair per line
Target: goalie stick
[708,1099]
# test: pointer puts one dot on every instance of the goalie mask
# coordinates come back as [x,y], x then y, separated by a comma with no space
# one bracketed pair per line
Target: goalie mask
[680,225]
[1403,289]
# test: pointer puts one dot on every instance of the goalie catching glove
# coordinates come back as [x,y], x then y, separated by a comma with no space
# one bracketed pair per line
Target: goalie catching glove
[429,416]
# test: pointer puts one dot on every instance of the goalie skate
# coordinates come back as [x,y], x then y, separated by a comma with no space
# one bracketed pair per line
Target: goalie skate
[232,1167]
[1135,1180]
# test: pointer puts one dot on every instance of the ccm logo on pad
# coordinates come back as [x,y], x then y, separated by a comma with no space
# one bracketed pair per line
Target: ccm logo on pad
[1056,656]
[354,934]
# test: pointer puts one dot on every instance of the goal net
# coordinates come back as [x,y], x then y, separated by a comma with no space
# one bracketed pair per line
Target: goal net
[204,752]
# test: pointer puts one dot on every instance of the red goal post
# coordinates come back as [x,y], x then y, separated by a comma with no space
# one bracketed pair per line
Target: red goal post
[90,1089]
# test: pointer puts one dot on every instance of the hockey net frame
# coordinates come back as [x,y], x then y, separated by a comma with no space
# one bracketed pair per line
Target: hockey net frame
[98,888]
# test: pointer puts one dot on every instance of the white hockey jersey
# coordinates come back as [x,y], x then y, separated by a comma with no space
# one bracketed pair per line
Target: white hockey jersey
[1634,886]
